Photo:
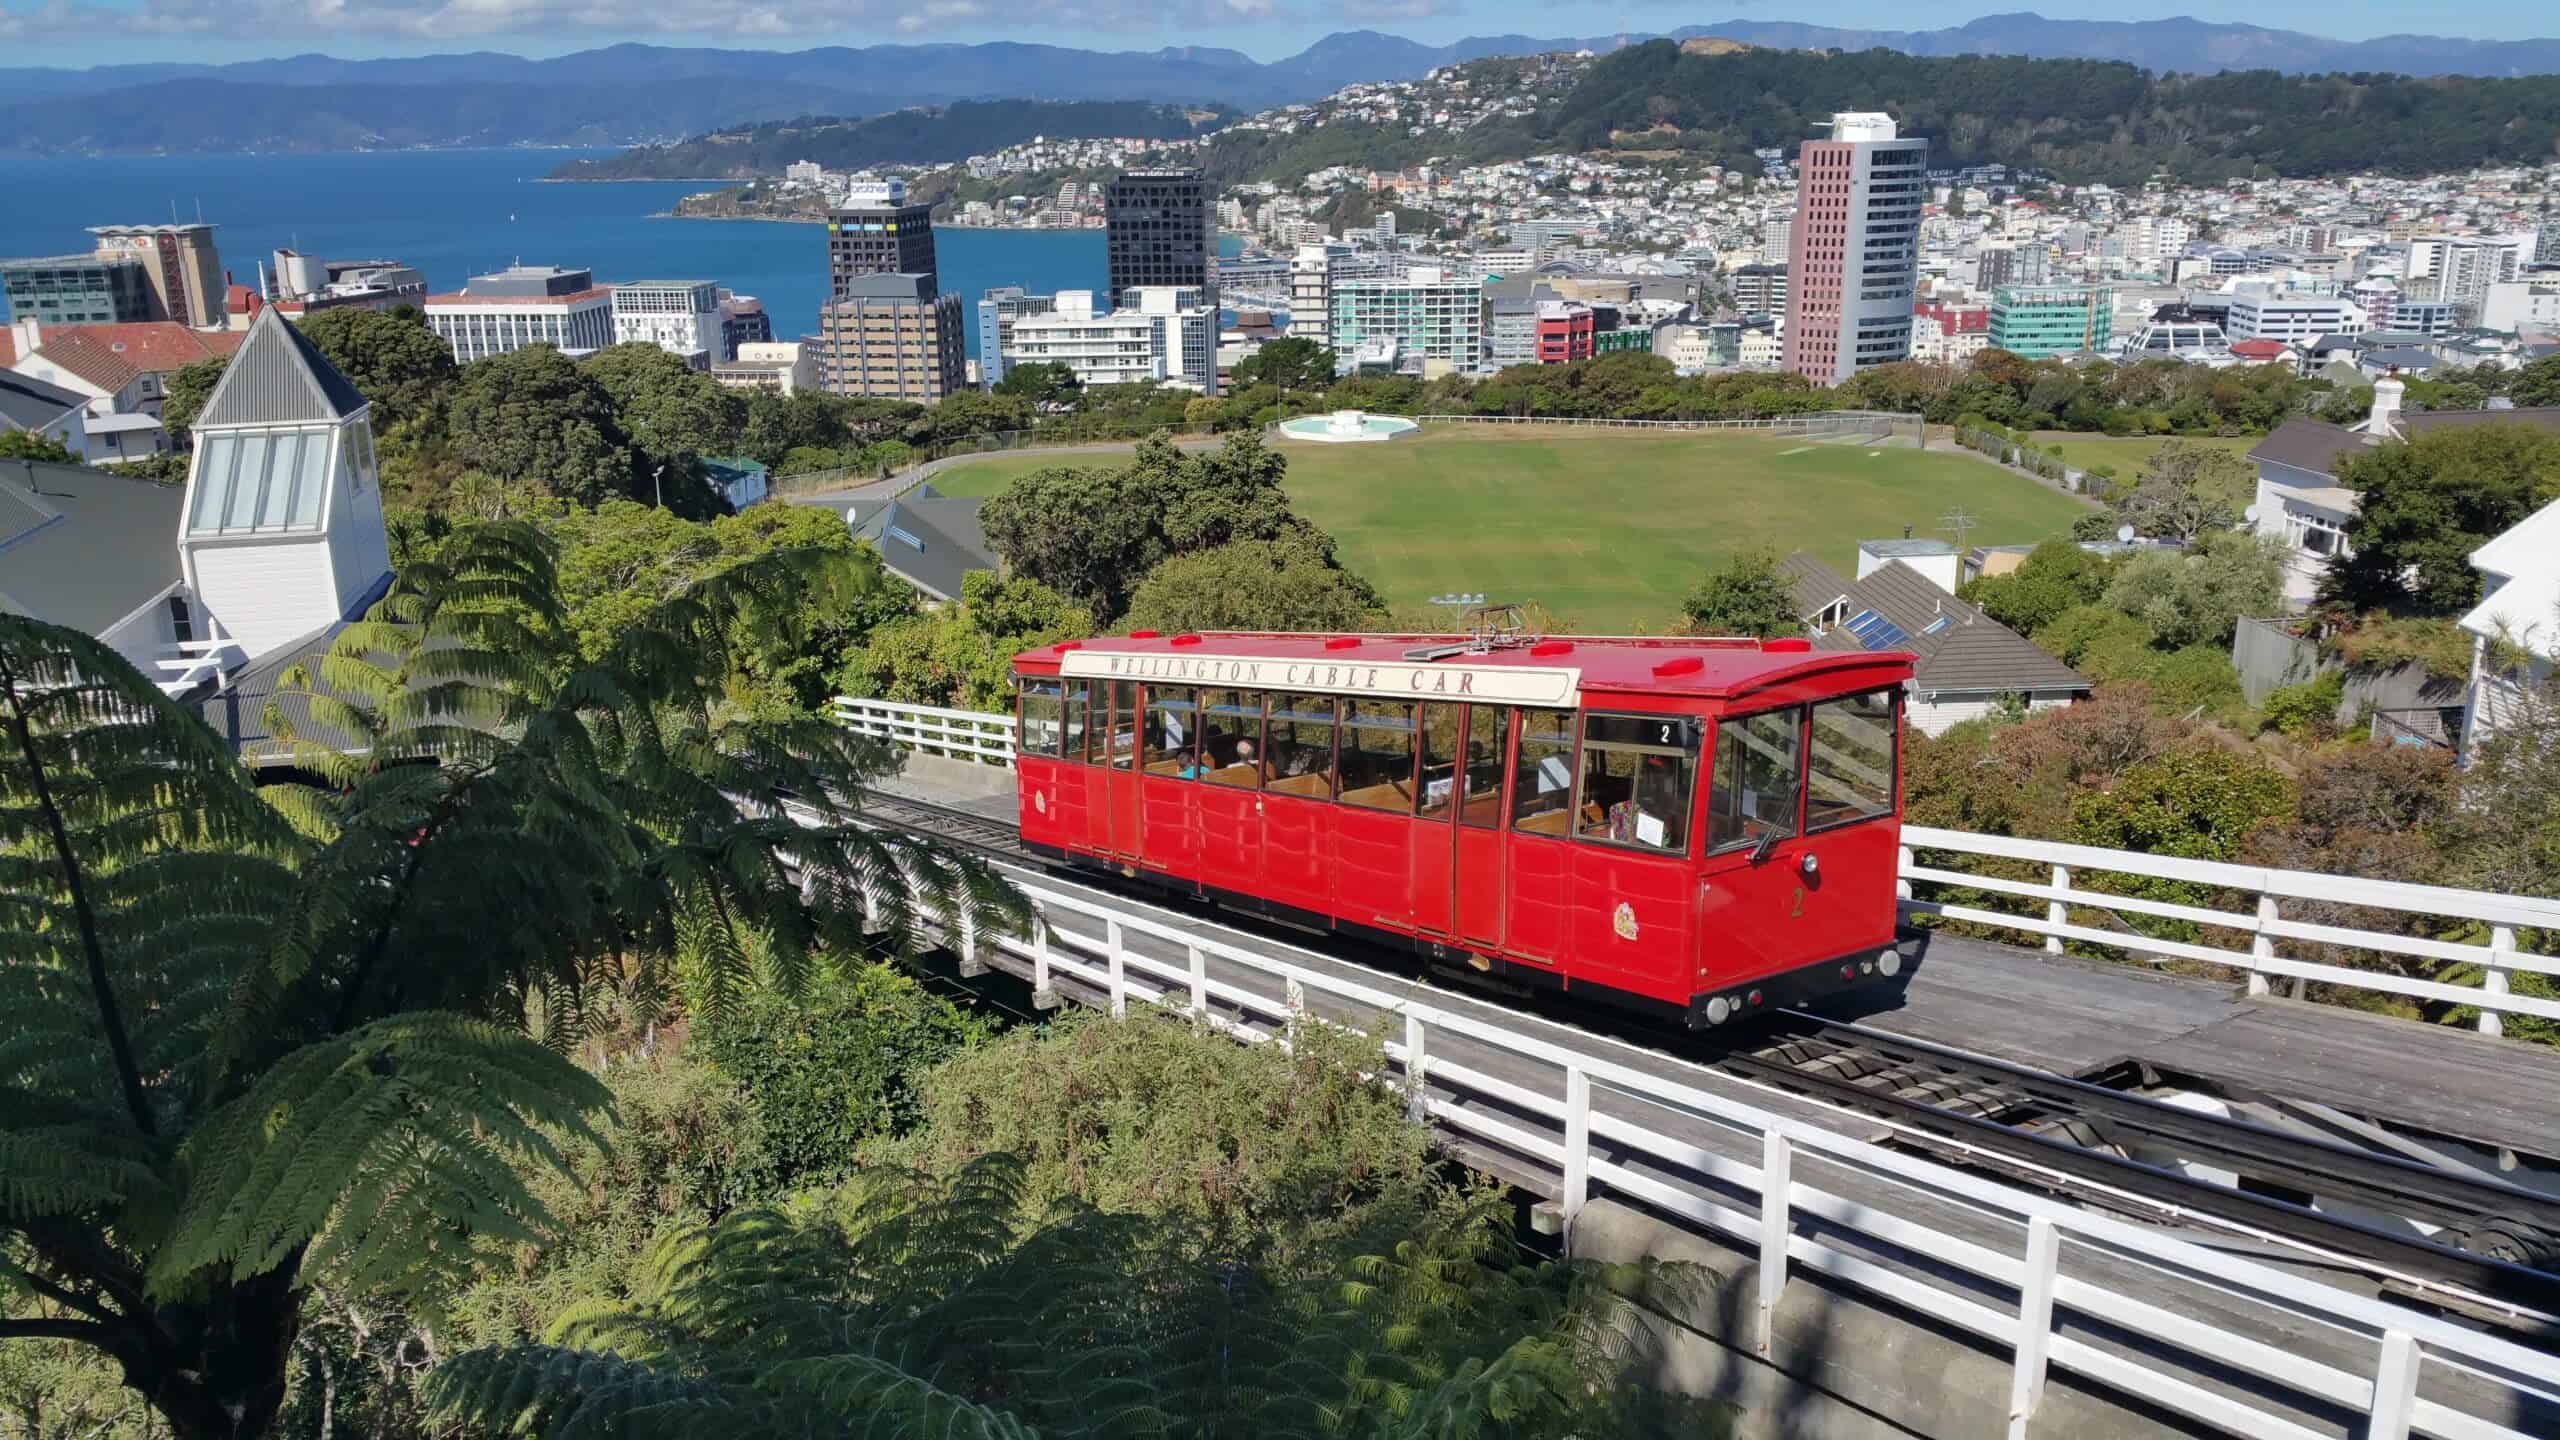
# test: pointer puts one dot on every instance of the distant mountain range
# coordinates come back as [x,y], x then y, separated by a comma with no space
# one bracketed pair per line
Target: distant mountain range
[627,93]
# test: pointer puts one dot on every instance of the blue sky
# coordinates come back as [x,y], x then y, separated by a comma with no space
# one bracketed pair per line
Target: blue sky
[68,32]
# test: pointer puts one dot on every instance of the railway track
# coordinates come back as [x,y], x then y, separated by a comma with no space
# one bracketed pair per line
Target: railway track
[2436,1233]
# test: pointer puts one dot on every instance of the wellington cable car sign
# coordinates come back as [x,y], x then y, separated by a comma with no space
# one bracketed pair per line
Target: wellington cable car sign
[1490,684]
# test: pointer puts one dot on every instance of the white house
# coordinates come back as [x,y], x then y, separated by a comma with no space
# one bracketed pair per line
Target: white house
[282,533]
[45,410]
[2519,612]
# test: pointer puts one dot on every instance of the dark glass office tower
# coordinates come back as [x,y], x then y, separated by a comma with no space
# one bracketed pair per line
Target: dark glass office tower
[876,232]
[1161,232]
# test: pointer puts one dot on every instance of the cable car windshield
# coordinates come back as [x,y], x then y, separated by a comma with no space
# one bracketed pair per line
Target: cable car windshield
[1636,774]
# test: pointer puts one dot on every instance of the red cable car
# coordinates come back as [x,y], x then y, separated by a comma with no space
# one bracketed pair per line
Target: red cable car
[1695,828]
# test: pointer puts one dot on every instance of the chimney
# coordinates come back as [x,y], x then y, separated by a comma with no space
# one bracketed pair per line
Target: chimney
[27,334]
[2384,422]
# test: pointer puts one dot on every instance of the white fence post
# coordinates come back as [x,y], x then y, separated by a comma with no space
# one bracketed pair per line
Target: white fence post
[1199,981]
[1902,884]
[2035,1323]
[1119,969]
[2493,979]
[1577,1145]
[1042,997]
[2055,911]
[2262,946]
[2395,1387]
[1777,1222]
[1417,1099]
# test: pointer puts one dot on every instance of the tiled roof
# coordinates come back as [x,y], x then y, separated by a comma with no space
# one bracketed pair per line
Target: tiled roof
[87,358]
[279,378]
[152,346]
[2320,448]
[1966,651]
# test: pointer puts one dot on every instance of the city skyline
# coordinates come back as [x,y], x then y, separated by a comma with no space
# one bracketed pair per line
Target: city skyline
[64,32]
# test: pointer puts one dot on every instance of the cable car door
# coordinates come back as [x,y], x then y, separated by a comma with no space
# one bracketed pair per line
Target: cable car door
[1116,748]
[1752,894]
[1478,839]
[1435,858]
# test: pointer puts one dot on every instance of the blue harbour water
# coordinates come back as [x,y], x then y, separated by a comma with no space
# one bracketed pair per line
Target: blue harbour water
[454,213]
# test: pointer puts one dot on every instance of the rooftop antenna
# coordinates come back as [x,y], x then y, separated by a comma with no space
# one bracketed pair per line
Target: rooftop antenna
[1959,522]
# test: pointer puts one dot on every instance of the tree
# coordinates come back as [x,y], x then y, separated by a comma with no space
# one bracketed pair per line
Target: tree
[2538,383]
[2186,489]
[1744,596]
[2424,505]
[2055,577]
[1253,585]
[1046,384]
[540,425]
[183,395]
[961,655]
[2198,596]
[259,1039]
[400,365]
[675,416]
[1291,362]
[1093,534]
[27,445]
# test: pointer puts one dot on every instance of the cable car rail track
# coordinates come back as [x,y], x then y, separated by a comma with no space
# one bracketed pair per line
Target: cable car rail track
[2068,1136]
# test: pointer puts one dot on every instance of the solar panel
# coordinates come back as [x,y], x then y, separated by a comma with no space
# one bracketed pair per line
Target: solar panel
[1941,623]
[1876,632]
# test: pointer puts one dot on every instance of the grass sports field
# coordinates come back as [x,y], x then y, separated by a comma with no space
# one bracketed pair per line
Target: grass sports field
[2126,454]
[1611,530]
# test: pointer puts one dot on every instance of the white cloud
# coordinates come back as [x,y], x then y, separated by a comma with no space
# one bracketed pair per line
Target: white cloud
[313,22]
[1393,9]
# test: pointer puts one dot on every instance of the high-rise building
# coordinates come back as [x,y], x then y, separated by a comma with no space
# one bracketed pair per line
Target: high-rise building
[1427,313]
[1853,261]
[179,261]
[1564,331]
[1776,235]
[998,309]
[2546,244]
[2021,264]
[524,305]
[743,321]
[1311,273]
[77,290]
[895,337]
[681,317]
[1158,231]
[2292,319]
[1760,289]
[876,232]
[2038,321]
[1185,330]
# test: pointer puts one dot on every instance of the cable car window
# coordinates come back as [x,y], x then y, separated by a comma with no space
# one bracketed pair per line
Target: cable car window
[1753,793]
[1377,754]
[1439,794]
[1073,718]
[1542,777]
[1300,754]
[1849,775]
[1040,728]
[1120,741]
[1487,727]
[1173,731]
[1637,771]
[1231,737]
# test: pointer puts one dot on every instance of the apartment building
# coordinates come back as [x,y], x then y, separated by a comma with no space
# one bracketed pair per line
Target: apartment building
[893,337]
[1427,313]
[2039,321]
[681,317]
[524,305]
[1853,263]
[998,310]
[180,264]
[1102,347]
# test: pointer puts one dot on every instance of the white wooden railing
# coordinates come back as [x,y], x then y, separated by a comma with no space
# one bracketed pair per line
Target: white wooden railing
[957,734]
[1782,1188]
[2475,932]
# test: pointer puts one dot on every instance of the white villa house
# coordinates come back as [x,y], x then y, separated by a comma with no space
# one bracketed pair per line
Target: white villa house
[2515,628]
[275,544]
[2299,500]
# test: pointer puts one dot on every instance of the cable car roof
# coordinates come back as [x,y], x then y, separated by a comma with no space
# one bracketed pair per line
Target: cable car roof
[1549,671]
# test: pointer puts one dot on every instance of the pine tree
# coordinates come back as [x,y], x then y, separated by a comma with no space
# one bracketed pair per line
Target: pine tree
[252,1038]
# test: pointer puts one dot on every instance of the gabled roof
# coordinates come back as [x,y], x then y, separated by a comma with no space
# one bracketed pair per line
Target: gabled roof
[156,347]
[83,548]
[72,350]
[2313,445]
[1960,649]
[928,539]
[2525,610]
[31,404]
[278,377]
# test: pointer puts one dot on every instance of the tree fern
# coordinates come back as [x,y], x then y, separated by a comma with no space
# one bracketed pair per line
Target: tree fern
[248,1037]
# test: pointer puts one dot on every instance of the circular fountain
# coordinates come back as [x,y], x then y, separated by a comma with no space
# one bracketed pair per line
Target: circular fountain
[1347,427]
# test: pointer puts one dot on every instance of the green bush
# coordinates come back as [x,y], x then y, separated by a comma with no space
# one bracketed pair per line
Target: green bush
[2308,711]
[836,1069]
